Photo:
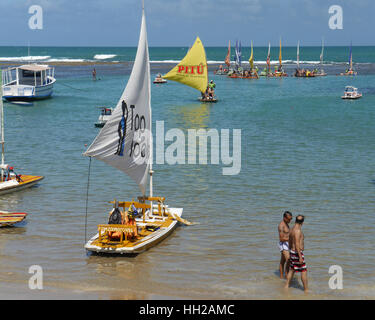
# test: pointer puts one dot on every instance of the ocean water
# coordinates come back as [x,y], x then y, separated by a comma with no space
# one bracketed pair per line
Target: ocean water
[304,149]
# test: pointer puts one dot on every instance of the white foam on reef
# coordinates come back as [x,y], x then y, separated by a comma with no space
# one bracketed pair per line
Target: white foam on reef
[104,56]
[25,58]
[66,60]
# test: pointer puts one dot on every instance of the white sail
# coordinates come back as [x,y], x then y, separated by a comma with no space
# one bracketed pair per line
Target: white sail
[321,54]
[298,55]
[125,140]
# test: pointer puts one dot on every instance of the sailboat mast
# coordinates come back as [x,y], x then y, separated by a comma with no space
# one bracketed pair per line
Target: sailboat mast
[298,55]
[151,140]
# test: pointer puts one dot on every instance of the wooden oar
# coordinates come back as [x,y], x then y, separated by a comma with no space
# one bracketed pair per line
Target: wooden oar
[178,218]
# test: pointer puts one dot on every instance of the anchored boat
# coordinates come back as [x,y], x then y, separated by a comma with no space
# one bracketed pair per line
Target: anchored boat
[125,142]
[105,114]
[351,93]
[28,82]
[9,180]
[159,80]
[350,71]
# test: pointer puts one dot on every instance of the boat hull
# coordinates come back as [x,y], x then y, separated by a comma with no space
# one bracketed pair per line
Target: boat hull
[139,246]
[27,93]
[10,219]
[208,100]
[27,182]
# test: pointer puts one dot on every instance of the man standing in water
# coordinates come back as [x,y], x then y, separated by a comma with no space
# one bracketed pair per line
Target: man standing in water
[297,259]
[284,243]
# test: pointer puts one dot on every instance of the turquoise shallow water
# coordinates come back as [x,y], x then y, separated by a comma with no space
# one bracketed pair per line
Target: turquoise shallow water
[303,149]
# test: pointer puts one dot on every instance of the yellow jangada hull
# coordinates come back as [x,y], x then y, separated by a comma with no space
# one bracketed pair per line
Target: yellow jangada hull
[14,185]
[152,228]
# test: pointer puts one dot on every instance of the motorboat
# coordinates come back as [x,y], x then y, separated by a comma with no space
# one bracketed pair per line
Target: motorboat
[105,114]
[351,93]
[159,79]
[28,82]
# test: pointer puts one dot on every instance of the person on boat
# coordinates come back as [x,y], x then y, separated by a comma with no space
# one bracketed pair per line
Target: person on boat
[283,229]
[297,258]
[210,93]
[130,220]
[212,84]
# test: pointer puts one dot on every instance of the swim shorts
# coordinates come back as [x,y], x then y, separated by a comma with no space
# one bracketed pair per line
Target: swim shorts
[283,245]
[295,264]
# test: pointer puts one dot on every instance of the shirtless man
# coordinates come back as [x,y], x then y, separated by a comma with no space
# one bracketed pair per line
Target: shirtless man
[284,243]
[297,259]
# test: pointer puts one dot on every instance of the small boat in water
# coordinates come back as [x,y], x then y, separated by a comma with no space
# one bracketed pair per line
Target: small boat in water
[28,82]
[159,79]
[321,73]
[350,71]
[208,100]
[105,114]
[133,226]
[192,70]
[8,219]
[351,93]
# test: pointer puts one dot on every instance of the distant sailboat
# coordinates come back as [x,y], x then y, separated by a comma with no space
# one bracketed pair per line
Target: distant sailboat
[238,57]
[222,71]
[269,73]
[280,72]
[266,72]
[302,73]
[321,73]
[350,72]
[251,59]
[227,58]
[125,143]
[244,74]
[9,180]
[298,54]
[192,71]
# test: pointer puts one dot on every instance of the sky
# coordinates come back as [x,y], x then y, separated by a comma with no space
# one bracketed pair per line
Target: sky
[178,22]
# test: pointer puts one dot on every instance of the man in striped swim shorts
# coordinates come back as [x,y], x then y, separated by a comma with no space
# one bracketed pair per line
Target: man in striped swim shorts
[297,258]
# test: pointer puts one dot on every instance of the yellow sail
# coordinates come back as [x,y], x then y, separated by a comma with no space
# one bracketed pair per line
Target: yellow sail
[280,59]
[251,60]
[192,70]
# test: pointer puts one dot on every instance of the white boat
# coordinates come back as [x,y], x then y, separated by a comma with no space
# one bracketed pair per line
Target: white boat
[28,82]
[133,226]
[105,114]
[159,79]
[9,180]
[351,93]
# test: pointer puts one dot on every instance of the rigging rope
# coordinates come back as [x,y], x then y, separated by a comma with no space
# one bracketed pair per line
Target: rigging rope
[68,86]
[87,198]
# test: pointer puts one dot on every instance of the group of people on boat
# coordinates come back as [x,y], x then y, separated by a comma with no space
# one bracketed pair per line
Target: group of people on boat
[221,70]
[209,94]
[305,73]
[243,73]
[126,218]
[9,174]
